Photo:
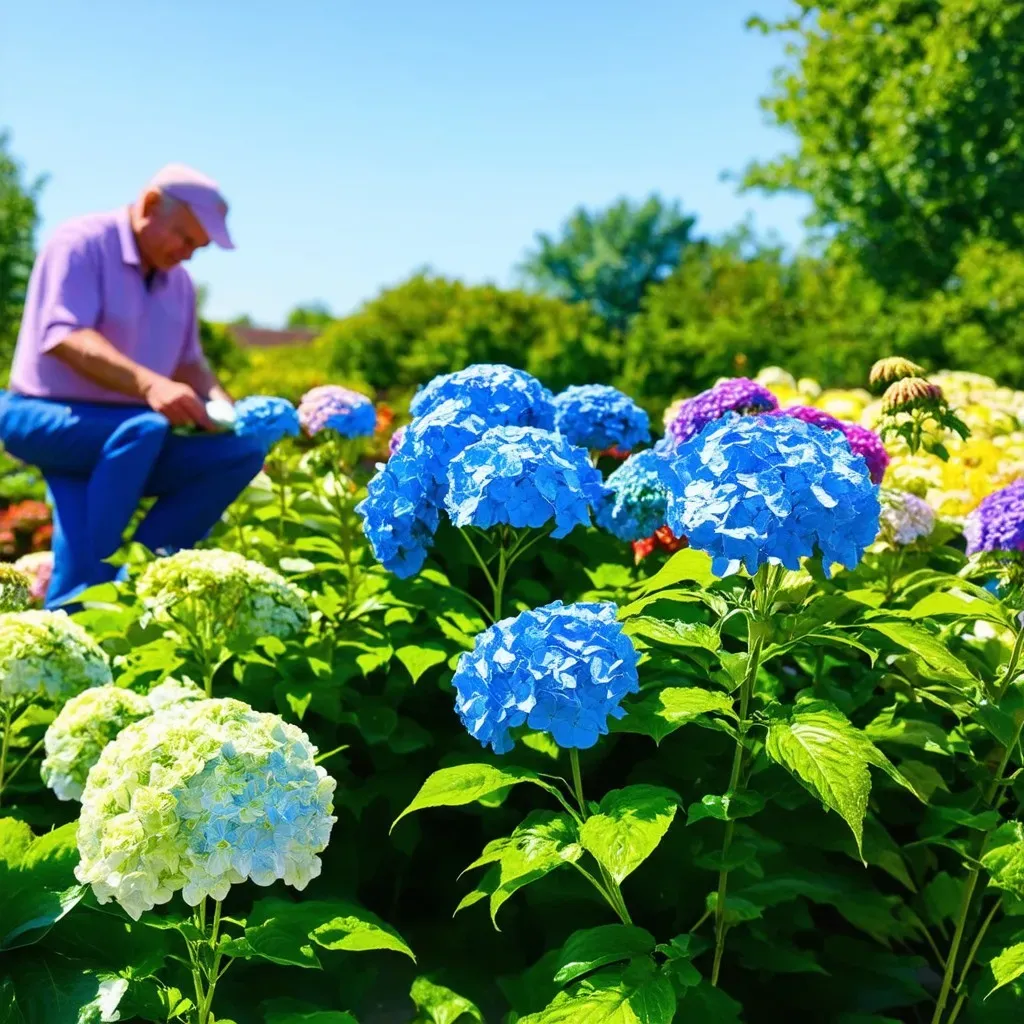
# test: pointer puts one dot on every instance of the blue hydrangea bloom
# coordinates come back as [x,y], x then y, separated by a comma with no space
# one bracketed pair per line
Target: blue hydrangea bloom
[266,419]
[560,669]
[522,476]
[600,417]
[399,519]
[332,407]
[635,503]
[499,394]
[435,438]
[751,490]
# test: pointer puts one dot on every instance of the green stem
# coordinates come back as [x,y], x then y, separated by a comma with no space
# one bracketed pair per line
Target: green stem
[1011,666]
[969,961]
[735,777]
[499,585]
[954,948]
[282,491]
[21,764]
[204,977]
[610,889]
[4,746]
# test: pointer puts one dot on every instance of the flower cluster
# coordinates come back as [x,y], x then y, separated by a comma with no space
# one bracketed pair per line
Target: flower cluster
[598,417]
[905,517]
[634,504]
[560,669]
[38,567]
[663,539]
[867,444]
[89,721]
[738,395]
[266,419]
[499,394]
[198,798]
[809,414]
[765,489]
[522,476]
[997,524]
[241,597]
[44,656]
[14,588]
[331,407]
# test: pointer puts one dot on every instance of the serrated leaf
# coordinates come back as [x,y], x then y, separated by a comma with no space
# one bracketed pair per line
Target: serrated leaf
[682,596]
[440,1005]
[587,950]
[1004,858]
[725,808]
[284,932]
[674,633]
[660,714]
[635,994]
[926,779]
[417,658]
[629,826]
[963,605]
[1008,966]
[932,651]
[467,783]
[688,564]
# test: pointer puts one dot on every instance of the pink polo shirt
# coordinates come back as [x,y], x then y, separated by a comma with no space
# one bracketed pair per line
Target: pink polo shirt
[89,274]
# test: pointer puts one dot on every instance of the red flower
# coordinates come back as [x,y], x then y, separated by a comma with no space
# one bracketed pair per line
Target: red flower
[42,538]
[26,516]
[662,539]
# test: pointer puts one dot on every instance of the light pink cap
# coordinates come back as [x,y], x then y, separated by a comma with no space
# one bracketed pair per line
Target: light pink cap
[203,197]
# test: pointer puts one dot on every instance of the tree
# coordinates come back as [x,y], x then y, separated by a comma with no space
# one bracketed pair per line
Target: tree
[429,325]
[610,257]
[313,314]
[909,129]
[19,217]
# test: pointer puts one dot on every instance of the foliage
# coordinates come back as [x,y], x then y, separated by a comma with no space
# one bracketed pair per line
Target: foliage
[609,258]
[314,314]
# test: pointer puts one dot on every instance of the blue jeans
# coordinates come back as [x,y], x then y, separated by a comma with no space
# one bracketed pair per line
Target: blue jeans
[100,460]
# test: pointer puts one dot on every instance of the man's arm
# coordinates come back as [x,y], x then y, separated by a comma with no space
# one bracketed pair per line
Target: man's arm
[91,355]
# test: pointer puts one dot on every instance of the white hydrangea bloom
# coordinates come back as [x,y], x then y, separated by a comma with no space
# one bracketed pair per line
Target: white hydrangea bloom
[173,691]
[45,656]
[775,376]
[14,588]
[905,517]
[77,736]
[89,721]
[236,596]
[197,798]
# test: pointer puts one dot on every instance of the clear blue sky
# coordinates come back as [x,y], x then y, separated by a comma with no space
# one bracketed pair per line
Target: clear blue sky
[358,141]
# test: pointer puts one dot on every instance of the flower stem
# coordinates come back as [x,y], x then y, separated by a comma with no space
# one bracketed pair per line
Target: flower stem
[610,890]
[4,746]
[206,968]
[735,786]
[969,961]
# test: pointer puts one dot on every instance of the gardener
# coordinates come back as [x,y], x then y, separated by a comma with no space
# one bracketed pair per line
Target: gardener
[107,362]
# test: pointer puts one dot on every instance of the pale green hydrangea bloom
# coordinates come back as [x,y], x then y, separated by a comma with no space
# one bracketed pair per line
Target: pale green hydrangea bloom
[89,721]
[14,588]
[222,591]
[197,798]
[77,736]
[46,657]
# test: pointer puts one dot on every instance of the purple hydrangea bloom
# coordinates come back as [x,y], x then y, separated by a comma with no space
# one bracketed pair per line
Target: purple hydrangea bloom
[598,417]
[560,669]
[807,413]
[331,407]
[522,476]
[868,445]
[395,441]
[997,524]
[766,489]
[739,395]
[266,419]
[499,394]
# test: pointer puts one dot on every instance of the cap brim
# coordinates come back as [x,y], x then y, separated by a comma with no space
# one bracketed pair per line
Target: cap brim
[215,225]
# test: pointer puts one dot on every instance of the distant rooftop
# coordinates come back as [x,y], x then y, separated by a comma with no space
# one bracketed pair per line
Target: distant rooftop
[263,337]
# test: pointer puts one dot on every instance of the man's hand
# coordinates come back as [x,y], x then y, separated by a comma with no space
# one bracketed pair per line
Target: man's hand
[178,402]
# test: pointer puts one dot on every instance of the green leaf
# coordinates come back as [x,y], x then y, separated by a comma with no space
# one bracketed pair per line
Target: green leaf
[725,808]
[587,950]
[1004,858]
[417,658]
[963,605]
[822,749]
[303,1017]
[1008,966]
[925,779]
[629,826]
[674,633]
[467,783]
[662,713]
[737,908]
[284,932]
[932,651]
[682,596]
[635,994]
[544,841]
[440,1005]
[51,989]
[688,564]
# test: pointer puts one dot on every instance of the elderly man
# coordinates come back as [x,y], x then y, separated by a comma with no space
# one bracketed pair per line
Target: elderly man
[108,361]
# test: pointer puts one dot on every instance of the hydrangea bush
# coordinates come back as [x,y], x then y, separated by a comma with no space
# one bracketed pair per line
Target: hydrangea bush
[738,395]
[266,419]
[499,394]
[348,413]
[598,417]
